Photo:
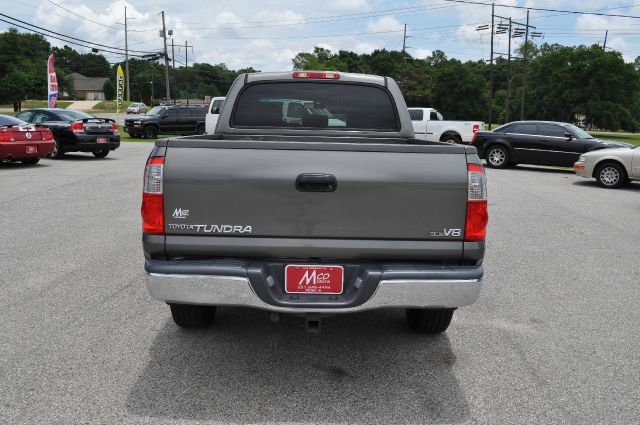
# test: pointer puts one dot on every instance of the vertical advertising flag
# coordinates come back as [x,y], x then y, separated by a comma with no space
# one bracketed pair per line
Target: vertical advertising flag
[119,88]
[52,83]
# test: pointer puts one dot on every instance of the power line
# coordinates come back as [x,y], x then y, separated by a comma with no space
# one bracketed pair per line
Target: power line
[542,9]
[70,37]
[61,39]
[80,16]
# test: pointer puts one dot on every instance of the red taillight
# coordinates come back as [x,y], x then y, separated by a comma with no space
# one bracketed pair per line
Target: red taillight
[77,127]
[152,197]
[317,75]
[476,128]
[115,128]
[477,214]
[46,135]
[5,136]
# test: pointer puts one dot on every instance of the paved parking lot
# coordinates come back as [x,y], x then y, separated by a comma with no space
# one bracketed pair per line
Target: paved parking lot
[554,337]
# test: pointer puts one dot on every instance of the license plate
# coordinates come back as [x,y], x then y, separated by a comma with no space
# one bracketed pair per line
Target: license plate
[32,149]
[312,279]
[102,140]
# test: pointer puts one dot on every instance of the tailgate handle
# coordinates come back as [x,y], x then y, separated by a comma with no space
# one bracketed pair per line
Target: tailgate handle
[316,182]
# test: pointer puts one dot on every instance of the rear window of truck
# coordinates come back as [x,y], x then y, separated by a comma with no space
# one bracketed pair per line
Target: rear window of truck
[304,105]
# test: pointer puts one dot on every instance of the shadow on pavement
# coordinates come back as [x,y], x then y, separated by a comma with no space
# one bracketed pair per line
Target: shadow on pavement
[82,157]
[543,169]
[362,368]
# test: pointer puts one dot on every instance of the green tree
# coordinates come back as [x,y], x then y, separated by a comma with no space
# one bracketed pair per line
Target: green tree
[109,90]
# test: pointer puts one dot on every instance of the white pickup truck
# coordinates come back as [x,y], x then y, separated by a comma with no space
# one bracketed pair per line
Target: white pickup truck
[211,119]
[428,124]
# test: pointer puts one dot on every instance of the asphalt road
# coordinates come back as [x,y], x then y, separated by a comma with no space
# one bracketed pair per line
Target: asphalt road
[553,339]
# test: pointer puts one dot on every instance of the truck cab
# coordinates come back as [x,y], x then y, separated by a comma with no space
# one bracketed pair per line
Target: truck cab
[429,124]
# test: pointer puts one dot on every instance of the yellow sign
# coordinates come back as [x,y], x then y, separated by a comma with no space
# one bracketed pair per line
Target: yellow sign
[119,88]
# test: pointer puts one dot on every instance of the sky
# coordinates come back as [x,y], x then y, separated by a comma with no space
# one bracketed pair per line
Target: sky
[267,34]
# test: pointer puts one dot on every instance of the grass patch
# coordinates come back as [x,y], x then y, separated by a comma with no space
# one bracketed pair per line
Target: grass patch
[633,138]
[124,137]
[110,106]
[28,104]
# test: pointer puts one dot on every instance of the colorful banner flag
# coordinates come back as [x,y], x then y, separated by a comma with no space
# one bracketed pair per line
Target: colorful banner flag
[52,83]
[119,88]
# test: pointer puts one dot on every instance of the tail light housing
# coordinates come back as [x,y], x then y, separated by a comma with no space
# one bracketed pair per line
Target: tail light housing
[115,129]
[477,214]
[152,209]
[476,128]
[46,134]
[77,127]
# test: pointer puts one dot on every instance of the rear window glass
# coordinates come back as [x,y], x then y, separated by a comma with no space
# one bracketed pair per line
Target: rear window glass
[524,129]
[72,115]
[416,114]
[216,106]
[315,105]
[7,120]
[552,130]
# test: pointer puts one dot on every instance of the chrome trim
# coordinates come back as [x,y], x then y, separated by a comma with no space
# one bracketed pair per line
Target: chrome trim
[237,291]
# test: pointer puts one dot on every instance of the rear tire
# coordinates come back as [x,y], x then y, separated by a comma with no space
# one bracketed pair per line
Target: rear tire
[497,156]
[611,175]
[30,161]
[57,151]
[200,129]
[192,316]
[101,153]
[429,321]
[150,132]
[452,139]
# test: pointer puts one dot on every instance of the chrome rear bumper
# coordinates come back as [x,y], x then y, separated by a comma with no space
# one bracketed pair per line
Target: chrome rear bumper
[237,291]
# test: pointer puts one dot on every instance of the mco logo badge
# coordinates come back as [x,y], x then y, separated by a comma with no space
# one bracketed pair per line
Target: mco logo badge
[28,135]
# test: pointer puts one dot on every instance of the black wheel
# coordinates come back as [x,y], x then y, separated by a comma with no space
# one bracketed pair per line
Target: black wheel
[101,153]
[200,129]
[136,136]
[57,152]
[452,139]
[150,132]
[497,156]
[611,175]
[429,321]
[30,161]
[192,316]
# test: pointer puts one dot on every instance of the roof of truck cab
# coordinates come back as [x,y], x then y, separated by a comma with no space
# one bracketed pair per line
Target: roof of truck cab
[288,76]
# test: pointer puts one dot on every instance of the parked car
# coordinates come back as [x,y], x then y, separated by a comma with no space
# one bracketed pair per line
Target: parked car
[310,218]
[539,143]
[430,125]
[183,120]
[21,141]
[213,112]
[137,108]
[76,131]
[612,168]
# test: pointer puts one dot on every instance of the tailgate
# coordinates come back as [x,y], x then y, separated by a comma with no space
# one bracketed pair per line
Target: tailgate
[403,192]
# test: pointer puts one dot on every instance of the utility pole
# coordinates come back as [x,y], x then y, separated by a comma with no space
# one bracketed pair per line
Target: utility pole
[126,55]
[173,55]
[404,40]
[186,66]
[166,60]
[604,47]
[526,69]
[506,101]
[491,68]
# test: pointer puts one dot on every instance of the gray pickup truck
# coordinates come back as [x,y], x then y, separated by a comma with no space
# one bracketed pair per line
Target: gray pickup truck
[339,211]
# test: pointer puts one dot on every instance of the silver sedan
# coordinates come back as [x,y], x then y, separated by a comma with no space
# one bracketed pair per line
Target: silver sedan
[612,168]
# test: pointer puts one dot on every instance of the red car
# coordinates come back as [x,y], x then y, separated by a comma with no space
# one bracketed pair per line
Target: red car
[24,142]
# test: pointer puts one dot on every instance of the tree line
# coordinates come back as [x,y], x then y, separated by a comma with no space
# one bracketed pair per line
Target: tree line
[561,83]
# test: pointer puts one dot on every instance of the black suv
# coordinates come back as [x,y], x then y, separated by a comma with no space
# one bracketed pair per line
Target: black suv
[181,120]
